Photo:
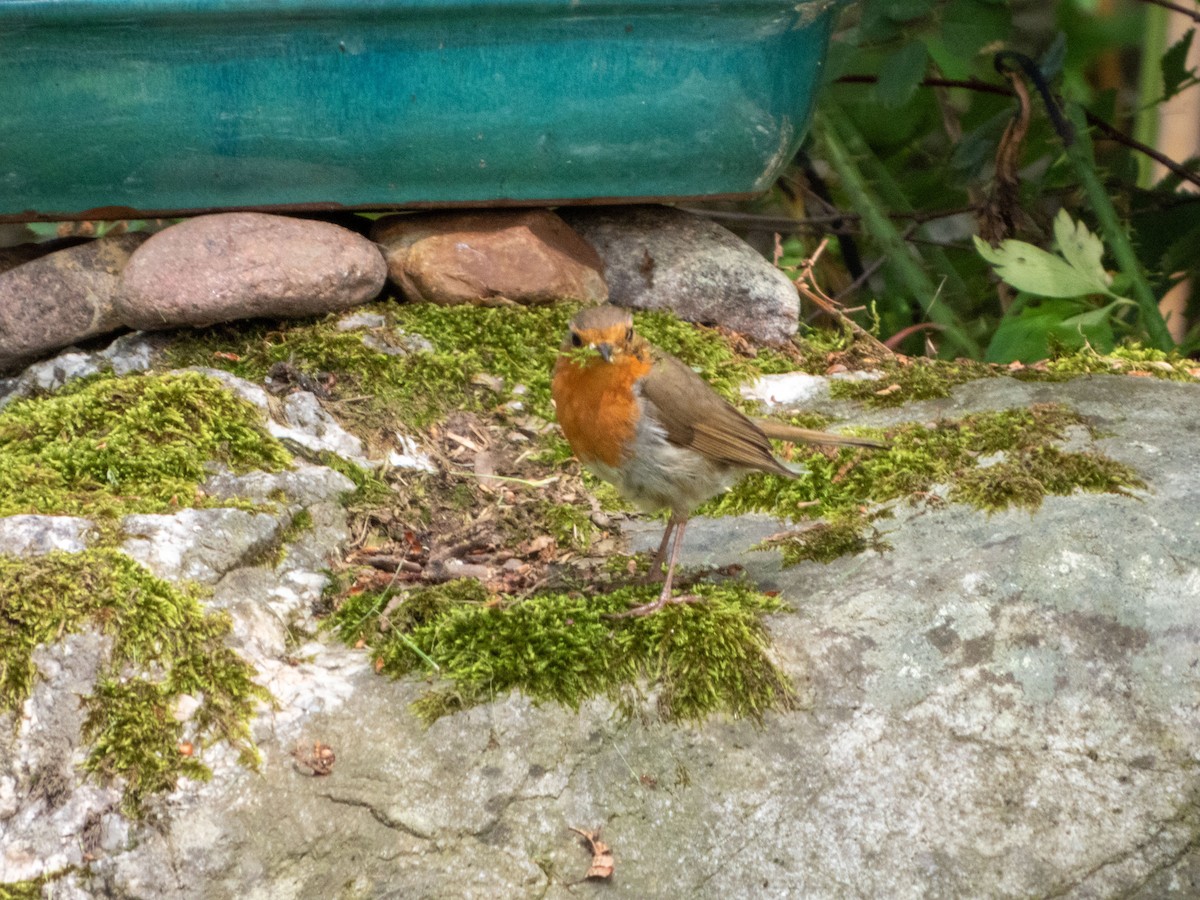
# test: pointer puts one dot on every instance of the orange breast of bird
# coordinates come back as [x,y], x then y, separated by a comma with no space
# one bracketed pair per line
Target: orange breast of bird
[597,408]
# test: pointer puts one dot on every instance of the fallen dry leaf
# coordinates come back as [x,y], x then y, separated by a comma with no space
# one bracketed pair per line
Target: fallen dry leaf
[316,761]
[602,855]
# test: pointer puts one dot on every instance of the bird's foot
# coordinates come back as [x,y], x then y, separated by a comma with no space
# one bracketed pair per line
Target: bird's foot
[651,576]
[648,608]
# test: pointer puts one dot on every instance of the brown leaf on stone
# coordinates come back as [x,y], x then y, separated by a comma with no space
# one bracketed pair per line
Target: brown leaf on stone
[316,760]
[602,855]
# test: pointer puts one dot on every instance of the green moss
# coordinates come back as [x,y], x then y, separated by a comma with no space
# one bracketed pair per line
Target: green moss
[843,534]
[1122,360]
[920,457]
[105,447]
[704,658]
[28,890]
[480,355]
[1026,475]
[906,379]
[570,526]
[164,645]
[507,347]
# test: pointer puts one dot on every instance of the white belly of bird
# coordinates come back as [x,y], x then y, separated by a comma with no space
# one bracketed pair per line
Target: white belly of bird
[661,475]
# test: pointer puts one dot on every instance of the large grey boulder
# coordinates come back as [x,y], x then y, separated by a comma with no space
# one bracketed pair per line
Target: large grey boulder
[1003,705]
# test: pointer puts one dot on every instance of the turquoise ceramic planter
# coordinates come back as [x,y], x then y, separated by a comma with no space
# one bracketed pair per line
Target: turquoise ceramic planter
[115,108]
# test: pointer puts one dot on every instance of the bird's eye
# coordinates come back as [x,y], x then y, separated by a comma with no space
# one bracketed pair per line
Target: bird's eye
[629,333]
[576,340]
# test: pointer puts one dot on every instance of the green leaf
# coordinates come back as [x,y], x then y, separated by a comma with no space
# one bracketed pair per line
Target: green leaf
[1025,334]
[970,25]
[1034,271]
[1079,247]
[900,74]
[906,10]
[1175,74]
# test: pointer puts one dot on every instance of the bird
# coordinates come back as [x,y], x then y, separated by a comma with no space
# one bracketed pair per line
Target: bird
[648,424]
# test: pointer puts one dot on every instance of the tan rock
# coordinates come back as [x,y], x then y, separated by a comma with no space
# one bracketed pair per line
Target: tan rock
[229,266]
[530,257]
[62,297]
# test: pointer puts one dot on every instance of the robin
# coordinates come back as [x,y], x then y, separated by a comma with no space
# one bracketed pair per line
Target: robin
[642,420]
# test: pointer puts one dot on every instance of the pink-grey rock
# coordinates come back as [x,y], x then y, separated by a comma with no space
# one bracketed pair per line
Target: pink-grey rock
[656,257]
[53,301]
[246,265]
[495,257]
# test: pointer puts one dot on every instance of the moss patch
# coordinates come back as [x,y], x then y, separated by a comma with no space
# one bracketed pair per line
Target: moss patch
[164,645]
[842,534]
[106,447]
[703,658]
[905,379]
[481,358]
[1020,470]
[1140,361]
[28,890]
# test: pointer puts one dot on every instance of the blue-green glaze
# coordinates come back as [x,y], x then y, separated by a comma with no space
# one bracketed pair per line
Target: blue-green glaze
[176,105]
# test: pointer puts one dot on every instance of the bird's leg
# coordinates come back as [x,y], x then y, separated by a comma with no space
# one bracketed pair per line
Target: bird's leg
[665,597]
[655,571]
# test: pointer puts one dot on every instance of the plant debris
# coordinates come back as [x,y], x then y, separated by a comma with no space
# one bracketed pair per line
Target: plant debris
[602,865]
[316,760]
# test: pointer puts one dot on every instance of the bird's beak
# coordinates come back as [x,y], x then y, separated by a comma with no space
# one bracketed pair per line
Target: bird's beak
[605,351]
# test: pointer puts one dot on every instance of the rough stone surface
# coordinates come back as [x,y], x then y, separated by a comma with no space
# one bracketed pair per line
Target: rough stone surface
[129,353]
[35,535]
[66,296]
[656,257]
[500,256]
[242,265]
[50,804]
[309,425]
[199,545]
[1000,706]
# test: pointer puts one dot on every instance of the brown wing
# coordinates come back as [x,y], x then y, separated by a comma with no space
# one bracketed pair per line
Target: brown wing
[696,416]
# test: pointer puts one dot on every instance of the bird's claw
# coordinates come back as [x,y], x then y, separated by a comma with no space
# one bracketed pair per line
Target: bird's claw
[648,608]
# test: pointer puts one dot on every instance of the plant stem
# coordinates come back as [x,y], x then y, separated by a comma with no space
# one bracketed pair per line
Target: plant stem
[830,125]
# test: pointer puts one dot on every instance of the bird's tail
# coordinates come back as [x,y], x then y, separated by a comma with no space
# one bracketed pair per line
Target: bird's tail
[782,432]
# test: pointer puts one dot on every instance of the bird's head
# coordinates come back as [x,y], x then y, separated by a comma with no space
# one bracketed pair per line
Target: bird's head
[606,331]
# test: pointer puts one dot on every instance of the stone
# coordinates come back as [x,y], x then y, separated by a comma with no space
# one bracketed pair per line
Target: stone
[787,387]
[1001,705]
[310,426]
[227,266]
[129,353]
[32,535]
[656,257]
[63,297]
[496,257]
[55,799]
[199,544]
